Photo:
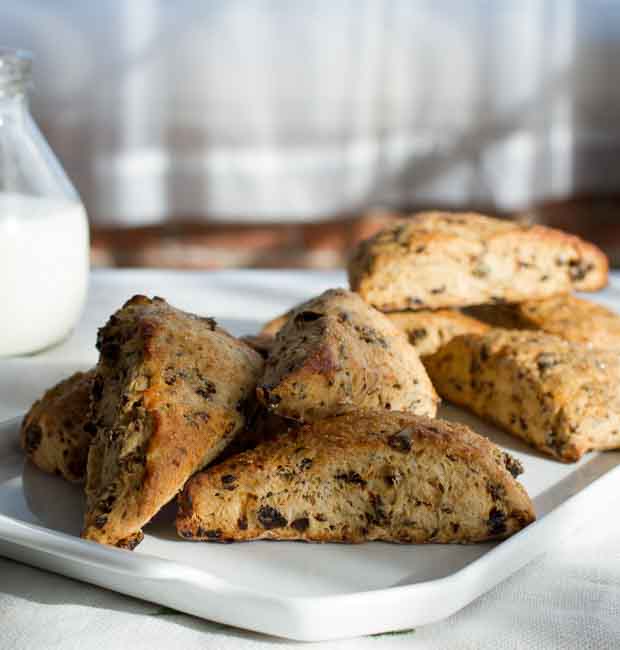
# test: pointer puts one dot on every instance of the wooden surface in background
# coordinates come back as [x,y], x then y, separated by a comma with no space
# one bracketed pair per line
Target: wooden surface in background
[187,245]
[212,246]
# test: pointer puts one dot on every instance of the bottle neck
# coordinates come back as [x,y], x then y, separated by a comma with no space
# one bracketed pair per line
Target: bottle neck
[14,103]
[15,79]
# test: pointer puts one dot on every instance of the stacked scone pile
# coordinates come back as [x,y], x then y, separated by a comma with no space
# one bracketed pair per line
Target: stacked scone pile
[322,427]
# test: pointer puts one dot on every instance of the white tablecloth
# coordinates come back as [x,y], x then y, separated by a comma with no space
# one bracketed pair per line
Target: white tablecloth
[568,599]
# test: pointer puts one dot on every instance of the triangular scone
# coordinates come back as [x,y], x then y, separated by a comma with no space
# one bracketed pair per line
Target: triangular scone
[170,393]
[360,477]
[560,397]
[55,433]
[567,316]
[443,259]
[336,354]
[426,330]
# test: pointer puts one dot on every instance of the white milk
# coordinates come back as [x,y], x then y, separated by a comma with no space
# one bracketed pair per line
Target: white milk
[44,262]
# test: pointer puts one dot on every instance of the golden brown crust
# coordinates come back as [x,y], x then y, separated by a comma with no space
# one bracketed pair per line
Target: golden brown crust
[129,543]
[426,330]
[169,394]
[440,259]
[558,396]
[567,316]
[336,354]
[272,327]
[359,477]
[54,433]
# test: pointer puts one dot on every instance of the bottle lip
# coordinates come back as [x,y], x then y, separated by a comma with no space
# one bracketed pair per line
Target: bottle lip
[15,71]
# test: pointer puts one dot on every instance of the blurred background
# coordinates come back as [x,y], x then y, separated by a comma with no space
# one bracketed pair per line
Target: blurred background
[207,134]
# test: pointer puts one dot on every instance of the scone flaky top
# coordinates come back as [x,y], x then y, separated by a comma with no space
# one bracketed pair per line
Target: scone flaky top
[170,393]
[337,354]
[359,477]
[559,396]
[440,259]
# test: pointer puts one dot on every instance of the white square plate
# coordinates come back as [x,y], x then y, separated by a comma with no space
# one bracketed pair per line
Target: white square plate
[296,590]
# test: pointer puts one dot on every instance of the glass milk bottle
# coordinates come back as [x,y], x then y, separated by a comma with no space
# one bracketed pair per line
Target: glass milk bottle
[44,243]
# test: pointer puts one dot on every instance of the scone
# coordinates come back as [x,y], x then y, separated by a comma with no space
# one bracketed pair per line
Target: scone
[170,392]
[442,259]
[426,330]
[55,433]
[336,354]
[392,477]
[566,316]
[558,396]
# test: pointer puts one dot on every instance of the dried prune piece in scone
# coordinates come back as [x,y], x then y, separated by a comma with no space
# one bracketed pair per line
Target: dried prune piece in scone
[442,259]
[558,396]
[336,354]
[56,433]
[359,477]
[567,316]
[165,403]
[426,330]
